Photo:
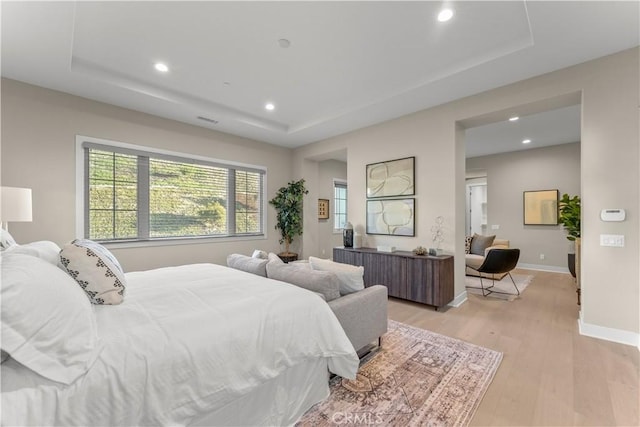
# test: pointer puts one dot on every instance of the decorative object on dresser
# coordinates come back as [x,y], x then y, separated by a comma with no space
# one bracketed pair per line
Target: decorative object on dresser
[420,251]
[391,178]
[437,236]
[323,208]
[347,235]
[424,279]
[288,204]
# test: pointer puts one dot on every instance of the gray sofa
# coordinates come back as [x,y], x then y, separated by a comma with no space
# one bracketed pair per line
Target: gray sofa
[362,314]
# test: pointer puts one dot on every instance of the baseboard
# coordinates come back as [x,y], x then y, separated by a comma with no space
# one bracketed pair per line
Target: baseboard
[608,334]
[459,300]
[540,267]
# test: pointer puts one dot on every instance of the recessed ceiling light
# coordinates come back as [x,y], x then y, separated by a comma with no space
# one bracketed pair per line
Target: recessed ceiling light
[284,43]
[526,141]
[514,118]
[161,67]
[445,15]
[270,106]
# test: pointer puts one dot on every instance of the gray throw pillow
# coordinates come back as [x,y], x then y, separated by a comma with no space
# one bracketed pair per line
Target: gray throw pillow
[322,282]
[248,264]
[480,243]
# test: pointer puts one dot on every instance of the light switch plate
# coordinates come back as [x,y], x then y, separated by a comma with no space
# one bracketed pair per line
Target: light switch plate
[614,240]
[495,227]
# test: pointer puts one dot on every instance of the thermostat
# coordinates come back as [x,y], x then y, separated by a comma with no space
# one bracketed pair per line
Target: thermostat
[612,215]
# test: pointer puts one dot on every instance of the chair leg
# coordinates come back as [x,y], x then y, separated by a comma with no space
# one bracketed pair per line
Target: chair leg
[488,290]
[514,283]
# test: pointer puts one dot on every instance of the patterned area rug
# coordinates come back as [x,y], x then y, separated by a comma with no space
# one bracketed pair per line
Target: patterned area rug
[505,286]
[417,378]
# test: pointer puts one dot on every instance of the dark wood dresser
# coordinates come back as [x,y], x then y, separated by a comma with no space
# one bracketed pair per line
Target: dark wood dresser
[424,279]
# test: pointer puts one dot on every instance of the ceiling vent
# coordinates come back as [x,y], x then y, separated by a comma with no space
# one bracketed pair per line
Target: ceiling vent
[207,119]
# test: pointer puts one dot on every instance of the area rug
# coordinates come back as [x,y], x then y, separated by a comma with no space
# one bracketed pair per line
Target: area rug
[417,378]
[509,292]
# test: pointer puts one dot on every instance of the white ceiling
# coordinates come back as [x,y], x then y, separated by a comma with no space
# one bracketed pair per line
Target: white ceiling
[349,65]
[553,127]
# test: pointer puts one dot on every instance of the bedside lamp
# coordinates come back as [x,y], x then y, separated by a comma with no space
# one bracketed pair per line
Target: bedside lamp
[15,205]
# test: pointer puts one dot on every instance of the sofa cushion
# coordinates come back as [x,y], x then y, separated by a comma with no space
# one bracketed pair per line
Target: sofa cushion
[350,276]
[323,282]
[480,243]
[274,258]
[473,261]
[249,264]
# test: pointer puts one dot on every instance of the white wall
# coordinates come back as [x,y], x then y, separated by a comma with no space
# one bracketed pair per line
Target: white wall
[39,127]
[508,175]
[610,132]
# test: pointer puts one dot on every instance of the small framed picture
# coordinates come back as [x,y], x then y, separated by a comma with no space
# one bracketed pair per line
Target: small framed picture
[323,209]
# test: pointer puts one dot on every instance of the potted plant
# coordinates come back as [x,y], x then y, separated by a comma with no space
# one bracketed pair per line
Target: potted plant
[569,209]
[288,204]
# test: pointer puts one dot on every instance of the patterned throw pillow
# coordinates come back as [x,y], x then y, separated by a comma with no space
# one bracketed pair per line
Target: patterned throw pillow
[96,270]
[467,244]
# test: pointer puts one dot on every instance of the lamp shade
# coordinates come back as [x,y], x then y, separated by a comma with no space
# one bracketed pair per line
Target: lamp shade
[15,204]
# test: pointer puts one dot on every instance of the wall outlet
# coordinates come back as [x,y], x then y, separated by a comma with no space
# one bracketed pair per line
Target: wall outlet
[495,227]
[323,252]
[541,256]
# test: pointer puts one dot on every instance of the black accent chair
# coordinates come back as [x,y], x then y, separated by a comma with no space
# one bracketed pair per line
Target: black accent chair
[498,261]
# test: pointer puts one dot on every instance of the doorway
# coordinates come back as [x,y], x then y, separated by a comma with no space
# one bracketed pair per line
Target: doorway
[476,216]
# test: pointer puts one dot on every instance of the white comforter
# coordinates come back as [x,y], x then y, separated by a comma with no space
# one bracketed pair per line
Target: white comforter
[186,341]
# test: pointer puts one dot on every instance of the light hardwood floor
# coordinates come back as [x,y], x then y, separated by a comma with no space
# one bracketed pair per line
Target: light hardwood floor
[550,375]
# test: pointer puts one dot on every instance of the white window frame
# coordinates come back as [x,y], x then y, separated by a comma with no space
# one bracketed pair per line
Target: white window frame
[80,195]
[342,182]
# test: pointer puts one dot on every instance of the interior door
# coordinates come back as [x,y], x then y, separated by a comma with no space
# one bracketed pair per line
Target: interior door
[476,218]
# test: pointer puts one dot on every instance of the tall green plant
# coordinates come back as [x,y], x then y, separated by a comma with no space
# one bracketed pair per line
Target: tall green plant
[288,204]
[570,215]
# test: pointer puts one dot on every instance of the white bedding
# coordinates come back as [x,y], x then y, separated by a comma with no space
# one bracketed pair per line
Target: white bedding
[186,342]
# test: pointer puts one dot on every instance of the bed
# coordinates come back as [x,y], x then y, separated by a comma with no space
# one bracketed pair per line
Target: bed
[200,344]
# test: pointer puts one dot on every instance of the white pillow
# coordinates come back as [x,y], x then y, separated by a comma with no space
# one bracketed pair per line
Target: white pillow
[259,254]
[44,249]
[351,277]
[48,324]
[96,270]
[275,259]
[6,240]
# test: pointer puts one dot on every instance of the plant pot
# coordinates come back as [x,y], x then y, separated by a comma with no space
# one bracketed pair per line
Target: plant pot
[288,256]
[571,261]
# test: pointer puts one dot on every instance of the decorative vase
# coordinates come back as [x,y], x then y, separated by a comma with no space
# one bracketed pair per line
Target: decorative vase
[357,240]
[347,236]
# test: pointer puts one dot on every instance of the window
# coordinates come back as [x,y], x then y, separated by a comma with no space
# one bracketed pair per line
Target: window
[134,194]
[339,204]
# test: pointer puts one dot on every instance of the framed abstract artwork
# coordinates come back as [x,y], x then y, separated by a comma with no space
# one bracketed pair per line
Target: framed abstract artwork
[540,207]
[393,217]
[393,178]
